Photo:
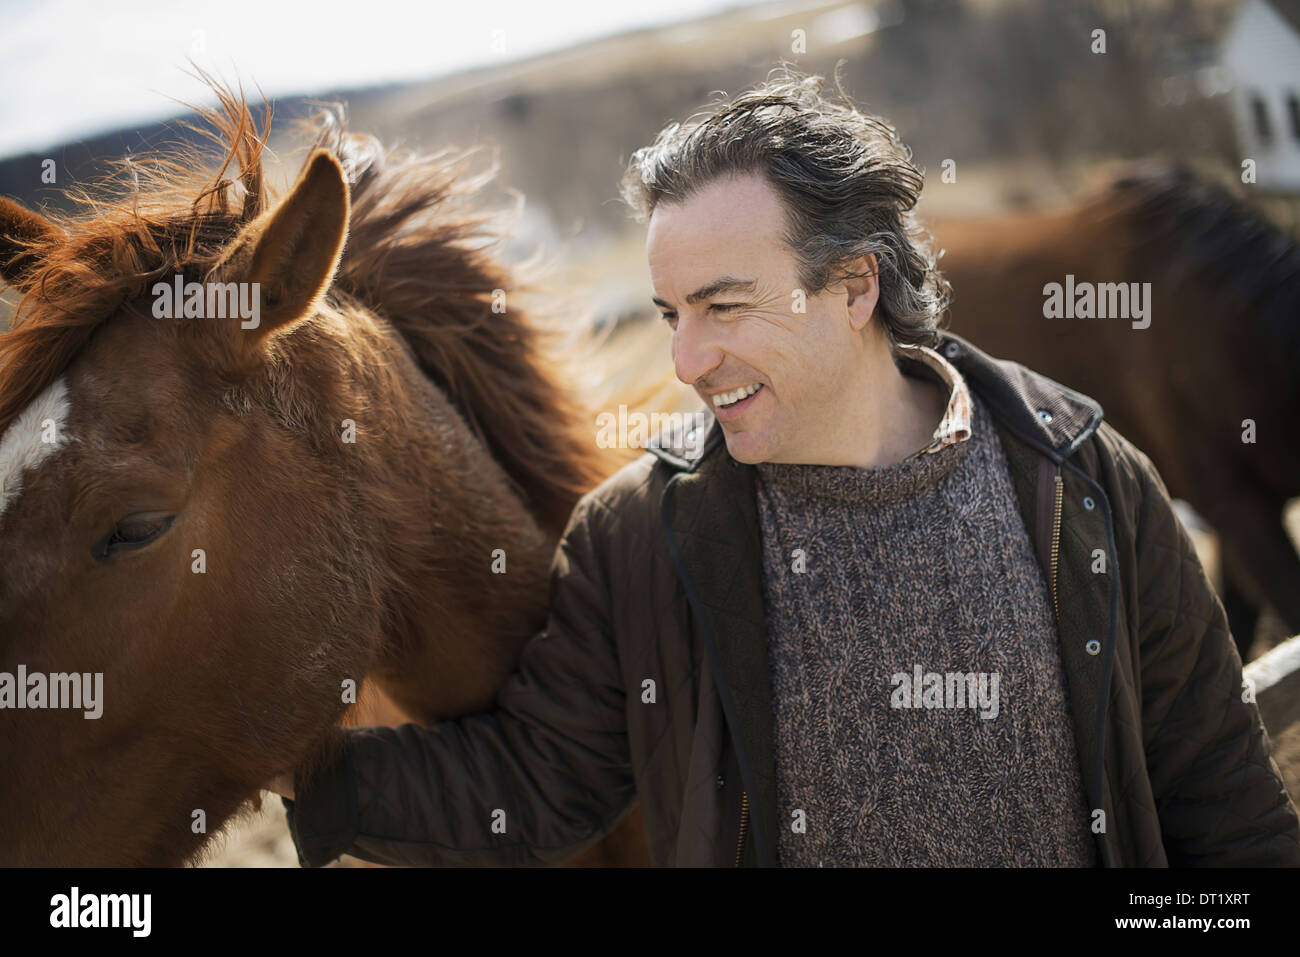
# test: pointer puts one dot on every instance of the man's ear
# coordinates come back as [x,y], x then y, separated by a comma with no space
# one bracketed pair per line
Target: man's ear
[20,231]
[290,251]
[863,291]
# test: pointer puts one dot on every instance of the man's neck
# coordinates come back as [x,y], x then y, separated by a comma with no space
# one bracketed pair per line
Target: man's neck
[901,413]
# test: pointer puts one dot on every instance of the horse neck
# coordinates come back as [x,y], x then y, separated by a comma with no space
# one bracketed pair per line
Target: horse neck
[465,563]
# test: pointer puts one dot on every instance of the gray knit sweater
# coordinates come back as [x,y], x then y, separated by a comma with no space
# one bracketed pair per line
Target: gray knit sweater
[871,579]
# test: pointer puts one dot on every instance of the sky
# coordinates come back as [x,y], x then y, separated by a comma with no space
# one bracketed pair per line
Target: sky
[73,68]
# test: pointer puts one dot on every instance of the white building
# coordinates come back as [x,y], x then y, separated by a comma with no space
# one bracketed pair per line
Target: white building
[1262,51]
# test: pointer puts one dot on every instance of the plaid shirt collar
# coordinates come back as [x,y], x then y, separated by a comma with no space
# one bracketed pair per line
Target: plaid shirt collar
[955,425]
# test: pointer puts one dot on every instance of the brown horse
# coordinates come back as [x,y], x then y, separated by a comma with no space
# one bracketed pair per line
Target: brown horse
[236,516]
[1210,389]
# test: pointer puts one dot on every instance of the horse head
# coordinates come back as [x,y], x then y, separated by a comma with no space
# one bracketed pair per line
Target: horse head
[232,489]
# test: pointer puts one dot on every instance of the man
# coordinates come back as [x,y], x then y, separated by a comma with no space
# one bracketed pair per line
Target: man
[905,604]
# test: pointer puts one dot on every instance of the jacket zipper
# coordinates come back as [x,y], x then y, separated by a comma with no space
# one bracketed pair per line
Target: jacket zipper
[1056,539]
[744,819]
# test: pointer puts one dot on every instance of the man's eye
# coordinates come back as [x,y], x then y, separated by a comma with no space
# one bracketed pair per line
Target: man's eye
[668,317]
[726,306]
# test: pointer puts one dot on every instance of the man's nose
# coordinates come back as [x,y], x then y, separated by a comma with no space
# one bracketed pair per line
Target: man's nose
[695,350]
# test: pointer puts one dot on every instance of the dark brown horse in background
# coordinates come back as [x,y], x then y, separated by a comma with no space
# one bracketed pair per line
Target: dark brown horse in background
[1222,347]
[232,524]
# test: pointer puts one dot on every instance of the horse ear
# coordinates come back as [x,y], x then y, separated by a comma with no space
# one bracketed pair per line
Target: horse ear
[20,230]
[291,251]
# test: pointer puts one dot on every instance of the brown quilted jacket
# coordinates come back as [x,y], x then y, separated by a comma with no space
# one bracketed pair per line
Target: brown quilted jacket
[650,682]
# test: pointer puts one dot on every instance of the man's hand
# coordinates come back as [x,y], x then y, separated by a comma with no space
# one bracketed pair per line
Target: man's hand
[282,784]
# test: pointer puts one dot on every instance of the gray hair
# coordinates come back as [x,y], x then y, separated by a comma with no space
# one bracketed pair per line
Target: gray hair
[846,181]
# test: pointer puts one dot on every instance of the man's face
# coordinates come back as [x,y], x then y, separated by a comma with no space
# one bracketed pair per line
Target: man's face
[728,287]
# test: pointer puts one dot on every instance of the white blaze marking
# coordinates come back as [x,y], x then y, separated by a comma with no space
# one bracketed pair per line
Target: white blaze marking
[23,445]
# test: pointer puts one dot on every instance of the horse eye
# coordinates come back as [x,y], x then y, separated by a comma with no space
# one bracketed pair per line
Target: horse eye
[134,531]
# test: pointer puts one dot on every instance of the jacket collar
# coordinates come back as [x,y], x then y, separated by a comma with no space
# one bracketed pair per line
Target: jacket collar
[1050,417]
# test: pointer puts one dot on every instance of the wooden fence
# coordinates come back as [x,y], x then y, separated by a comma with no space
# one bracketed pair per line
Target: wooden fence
[1276,680]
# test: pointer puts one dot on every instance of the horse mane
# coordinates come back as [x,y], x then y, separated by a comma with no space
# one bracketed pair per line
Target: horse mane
[415,256]
[1221,238]
[419,255]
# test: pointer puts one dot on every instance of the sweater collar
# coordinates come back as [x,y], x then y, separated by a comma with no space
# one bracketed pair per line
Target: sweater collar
[1048,416]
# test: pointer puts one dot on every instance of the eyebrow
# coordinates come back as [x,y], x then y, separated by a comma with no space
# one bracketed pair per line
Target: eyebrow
[717,287]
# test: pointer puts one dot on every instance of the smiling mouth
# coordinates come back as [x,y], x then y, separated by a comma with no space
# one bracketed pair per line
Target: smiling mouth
[725,400]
